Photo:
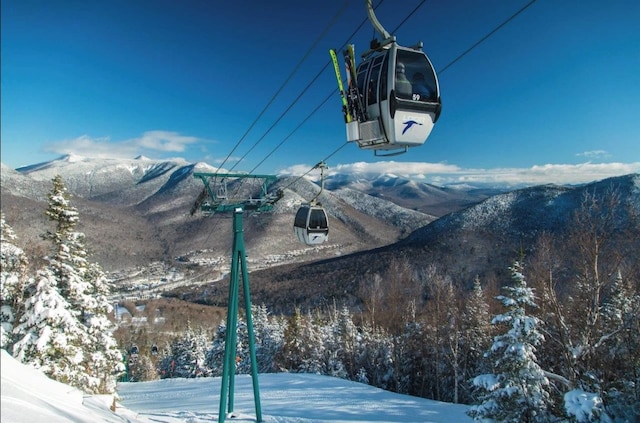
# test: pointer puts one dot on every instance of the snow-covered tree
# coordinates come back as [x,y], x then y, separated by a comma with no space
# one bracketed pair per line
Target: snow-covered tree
[587,296]
[49,337]
[68,258]
[214,356]
[476,334]
[437,345]
[13,280]
[375,358]
[85,287]
[269,338]
[189,353]
[77,290]
[345,339]
[316,358]
[410,358]
[517,390]
[619,346]
[142,369]
[293,347]
[104,357]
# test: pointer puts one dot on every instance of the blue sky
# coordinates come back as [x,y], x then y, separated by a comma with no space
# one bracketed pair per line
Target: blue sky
[553,96]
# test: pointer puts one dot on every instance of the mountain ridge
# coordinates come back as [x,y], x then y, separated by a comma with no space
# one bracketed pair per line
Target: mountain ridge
[156,196]
[142,216]
[480,241]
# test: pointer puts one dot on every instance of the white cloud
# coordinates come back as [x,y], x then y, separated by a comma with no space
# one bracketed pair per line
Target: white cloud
[150,141]
[163,141]
[87,146]
[416,170]
[594,154]
[230,159]
[448,174]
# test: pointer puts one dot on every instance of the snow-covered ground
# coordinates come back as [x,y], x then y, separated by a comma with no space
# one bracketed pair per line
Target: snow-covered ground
[28,396]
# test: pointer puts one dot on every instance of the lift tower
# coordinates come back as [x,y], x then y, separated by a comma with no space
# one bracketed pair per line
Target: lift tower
[213,199]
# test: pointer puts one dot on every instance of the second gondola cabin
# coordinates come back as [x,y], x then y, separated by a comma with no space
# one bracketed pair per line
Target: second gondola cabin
[311,225]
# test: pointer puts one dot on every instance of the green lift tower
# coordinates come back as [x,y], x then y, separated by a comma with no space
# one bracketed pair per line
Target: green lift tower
[215,199]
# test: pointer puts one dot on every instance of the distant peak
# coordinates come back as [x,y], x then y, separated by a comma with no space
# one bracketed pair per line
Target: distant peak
[141,157]
[71,158]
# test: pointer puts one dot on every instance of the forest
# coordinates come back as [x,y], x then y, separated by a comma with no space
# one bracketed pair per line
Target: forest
[563,328]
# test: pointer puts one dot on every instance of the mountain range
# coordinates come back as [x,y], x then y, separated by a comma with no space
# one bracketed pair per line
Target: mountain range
[135,212]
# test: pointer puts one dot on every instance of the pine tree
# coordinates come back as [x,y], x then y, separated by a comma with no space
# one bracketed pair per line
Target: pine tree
[142,369]
[293,348]
[517,391]
[375,358]
[619,348]
[269,338]
[105,359]
[78,290]
[188,354]
[49,337]
[214,357]
[13,281]
[335,351]
[346,342]
[410,358]
[68,260]
[476,334]
[315,335]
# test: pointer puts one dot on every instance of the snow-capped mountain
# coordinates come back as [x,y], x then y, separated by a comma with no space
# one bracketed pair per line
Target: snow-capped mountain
[136,211]
[125,181]
[482,240]
[412,194]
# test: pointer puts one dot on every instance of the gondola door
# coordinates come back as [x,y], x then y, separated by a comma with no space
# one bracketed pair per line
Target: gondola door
[411,104]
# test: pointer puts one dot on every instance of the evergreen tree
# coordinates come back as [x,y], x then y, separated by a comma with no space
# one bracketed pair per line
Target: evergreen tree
[13,281]
[49,337]
[517,391]
[619,347]
[68,260]
[269,338]
[105,359]
[476,334]
[410,358]
[214,357]
[142,369]
[345,341]
[334,352]
[189,353]
[78,291]
[293,348]
[316,357]
[375,358]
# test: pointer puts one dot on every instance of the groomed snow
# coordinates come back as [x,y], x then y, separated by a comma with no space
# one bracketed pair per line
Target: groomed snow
[28,396]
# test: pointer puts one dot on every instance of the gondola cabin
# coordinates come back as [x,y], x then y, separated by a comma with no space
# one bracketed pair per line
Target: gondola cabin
[311,225]
[400,96]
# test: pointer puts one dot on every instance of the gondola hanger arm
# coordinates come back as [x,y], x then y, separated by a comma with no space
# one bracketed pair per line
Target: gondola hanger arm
[376,23]
[387,38]
[322,166]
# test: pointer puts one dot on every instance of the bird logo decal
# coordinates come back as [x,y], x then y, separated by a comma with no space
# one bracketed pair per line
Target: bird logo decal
[408,124]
